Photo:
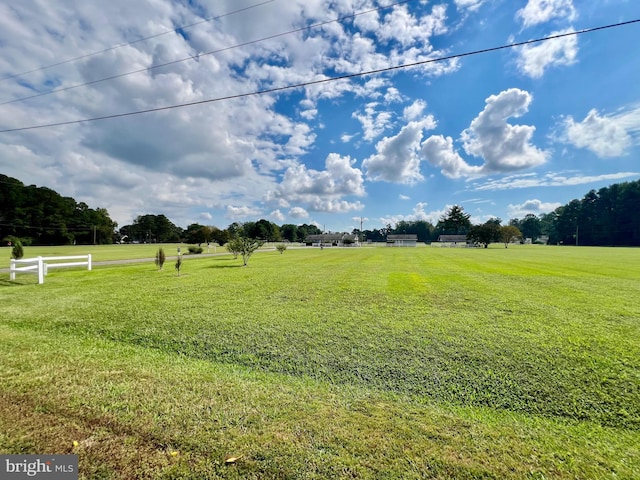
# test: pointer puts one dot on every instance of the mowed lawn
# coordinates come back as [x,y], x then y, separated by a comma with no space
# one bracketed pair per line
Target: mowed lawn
[337,363]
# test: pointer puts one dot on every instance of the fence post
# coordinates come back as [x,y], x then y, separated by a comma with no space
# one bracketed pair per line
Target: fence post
[89,261]
[40,271]
[12,270]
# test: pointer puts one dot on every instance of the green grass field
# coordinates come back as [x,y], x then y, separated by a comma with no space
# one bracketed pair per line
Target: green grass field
[105,253]
[341,363]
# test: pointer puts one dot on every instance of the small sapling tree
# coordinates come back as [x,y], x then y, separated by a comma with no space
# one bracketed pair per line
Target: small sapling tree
[17,252]
[508,233]
[179,264]
[249,246]
[160,258]
[281,247]
[234,246]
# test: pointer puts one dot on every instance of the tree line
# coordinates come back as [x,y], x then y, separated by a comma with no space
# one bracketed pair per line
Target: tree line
[40,216]
[609,216]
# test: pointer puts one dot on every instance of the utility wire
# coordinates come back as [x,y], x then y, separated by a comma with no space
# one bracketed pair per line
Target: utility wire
[209,19]
[324,80]
[213,52]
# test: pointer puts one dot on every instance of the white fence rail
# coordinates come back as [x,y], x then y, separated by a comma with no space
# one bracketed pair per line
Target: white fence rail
[40,265]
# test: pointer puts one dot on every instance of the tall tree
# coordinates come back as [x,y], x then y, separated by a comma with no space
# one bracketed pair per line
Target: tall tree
[455,221]
[289,232]
[530,226]
[485,234]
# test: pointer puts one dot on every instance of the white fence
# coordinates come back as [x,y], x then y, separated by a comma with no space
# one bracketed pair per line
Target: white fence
[40,265]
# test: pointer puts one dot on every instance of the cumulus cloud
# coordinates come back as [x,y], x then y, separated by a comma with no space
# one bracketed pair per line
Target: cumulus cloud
[243,211]
[401,26]
[373,122]
[534,59]
[534,206]
[502,146]
[237,150]
[418,213]
[541,11]
[397,158]
[605,135]
[322,190]
[415,110]
[277,215]
[298,212]
[440,152]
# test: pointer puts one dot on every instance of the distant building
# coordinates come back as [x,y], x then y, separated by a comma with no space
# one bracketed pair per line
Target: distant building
[452,241]
[406,240]
[453,238]
[332,240]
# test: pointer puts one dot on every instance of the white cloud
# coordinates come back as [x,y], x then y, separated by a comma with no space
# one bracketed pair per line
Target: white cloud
[541,11]
[322,190]
[298,212]
[401,26]
[418,214]
[393,95]
[415,110]
[548,180]
[471,5]
[237,149]
[244,211]
[533,206]
[277,215]
[534,59]
[335,206]
[605,135]
[502,146]
[396,159]
[403,197]
[374,123]
[440,152]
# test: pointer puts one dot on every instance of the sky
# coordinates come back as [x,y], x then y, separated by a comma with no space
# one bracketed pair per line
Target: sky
[268,108]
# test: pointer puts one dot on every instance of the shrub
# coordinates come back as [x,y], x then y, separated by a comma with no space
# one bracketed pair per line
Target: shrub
[195,250]
[160,258]
[244,246]
[281,248]
[234,246]
[17,252]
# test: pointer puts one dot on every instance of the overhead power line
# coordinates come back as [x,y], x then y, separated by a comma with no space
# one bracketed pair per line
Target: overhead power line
[183,27]
[200,55]
[324,80]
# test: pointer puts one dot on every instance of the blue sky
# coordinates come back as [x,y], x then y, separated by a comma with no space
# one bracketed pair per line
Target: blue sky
[506,133]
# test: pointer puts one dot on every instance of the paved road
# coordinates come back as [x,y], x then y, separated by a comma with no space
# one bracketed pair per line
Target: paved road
[147,260]
[141,260]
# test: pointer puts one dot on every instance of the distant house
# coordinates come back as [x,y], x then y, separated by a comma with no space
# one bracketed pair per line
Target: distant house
[452,240]
[543,239]
[406,240]
[332,240]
